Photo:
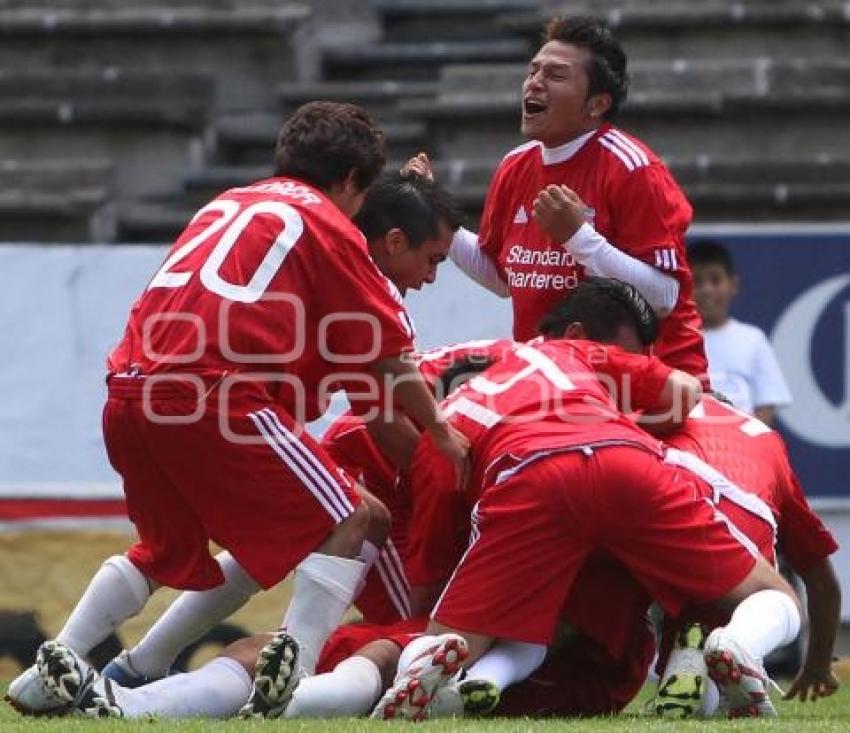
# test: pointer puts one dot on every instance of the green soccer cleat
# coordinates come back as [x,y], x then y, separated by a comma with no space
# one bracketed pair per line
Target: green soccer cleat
[480,697]
[680,691]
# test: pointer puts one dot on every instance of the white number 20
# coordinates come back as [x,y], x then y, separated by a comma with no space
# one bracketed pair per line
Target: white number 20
[236,221]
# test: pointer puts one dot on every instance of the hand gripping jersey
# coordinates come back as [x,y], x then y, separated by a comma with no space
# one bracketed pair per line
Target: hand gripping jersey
[271,278]
[632,200]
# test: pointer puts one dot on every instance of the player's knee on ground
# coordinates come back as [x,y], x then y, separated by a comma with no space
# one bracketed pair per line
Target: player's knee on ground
[380,519]
[245,651]
[384,654]
[346,540]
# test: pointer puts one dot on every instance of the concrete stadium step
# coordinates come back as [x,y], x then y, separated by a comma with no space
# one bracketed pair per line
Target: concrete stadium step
[709,29]
[755,76]
[450,20]
[248,48]
[250,139]
[379,96]
[203,185]
[57,200]
[109,95]
[750,188]
[151,221]
[482,125]
[152,125]
[416,60]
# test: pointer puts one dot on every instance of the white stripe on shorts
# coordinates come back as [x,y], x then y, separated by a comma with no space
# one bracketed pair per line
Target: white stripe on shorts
[331,481]
[316,484]
[394,581]
[722,486]
[474,536]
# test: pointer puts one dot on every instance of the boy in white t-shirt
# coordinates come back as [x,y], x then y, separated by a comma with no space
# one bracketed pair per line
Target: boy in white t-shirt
[741,361]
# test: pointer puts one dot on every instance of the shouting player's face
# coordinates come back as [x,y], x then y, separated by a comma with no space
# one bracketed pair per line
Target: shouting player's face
[555,105]
[411,267]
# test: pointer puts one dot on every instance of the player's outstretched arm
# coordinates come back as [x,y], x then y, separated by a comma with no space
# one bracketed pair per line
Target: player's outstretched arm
[465,251]
[815,679]
[396,437]
[410,391]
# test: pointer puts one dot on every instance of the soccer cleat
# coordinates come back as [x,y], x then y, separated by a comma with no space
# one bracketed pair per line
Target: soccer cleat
[411,695]
[682,686]
[276,675]
[29,695]
[741,679]
[480,697]
[120,671]
[71,679]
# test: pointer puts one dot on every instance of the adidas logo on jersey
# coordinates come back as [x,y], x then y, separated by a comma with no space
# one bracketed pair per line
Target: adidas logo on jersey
[521,217]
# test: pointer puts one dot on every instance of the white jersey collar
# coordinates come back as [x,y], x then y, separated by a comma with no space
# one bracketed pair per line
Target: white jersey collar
[551,156]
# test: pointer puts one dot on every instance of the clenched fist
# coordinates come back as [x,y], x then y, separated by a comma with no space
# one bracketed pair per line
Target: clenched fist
[559,211]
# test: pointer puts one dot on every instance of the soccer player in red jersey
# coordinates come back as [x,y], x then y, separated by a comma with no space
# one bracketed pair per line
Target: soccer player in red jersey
[385,597]
[270,284]
[564,474]
[753,461]
[583,197]
[759,494]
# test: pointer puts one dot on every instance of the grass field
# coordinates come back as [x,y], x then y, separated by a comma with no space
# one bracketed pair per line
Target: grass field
[830,716]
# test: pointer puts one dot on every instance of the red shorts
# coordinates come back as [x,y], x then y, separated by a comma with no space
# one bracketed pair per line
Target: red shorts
[270,497]
[581,679]
[761,535]
[348,639]
[535,530]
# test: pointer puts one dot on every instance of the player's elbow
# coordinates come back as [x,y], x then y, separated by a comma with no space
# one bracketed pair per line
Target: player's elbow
[679,396]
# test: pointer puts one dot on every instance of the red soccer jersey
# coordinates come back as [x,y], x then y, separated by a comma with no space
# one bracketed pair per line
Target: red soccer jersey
[754,457]
[271,277]
[633,201]
[541,397]
[549,395]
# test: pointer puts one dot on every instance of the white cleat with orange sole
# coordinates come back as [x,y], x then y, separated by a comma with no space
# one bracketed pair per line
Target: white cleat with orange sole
[411,696]
[741,678]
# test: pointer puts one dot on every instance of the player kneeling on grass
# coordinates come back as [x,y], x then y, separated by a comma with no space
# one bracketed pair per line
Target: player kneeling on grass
[263,489]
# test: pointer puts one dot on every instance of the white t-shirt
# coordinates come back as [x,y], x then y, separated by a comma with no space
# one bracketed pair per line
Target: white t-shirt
[743,366]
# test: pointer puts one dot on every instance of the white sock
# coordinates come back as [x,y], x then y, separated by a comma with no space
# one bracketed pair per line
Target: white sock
[117,591]
[351,690]
[216,690]
[763,622]
[710,699]
[414,649]
[191,616]
[508,662]
[323,590]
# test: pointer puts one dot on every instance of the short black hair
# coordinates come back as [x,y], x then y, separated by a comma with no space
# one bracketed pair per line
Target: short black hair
[322,142]
[408,202]
[459,373]
[602,305]
[607,73]
[711,252]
